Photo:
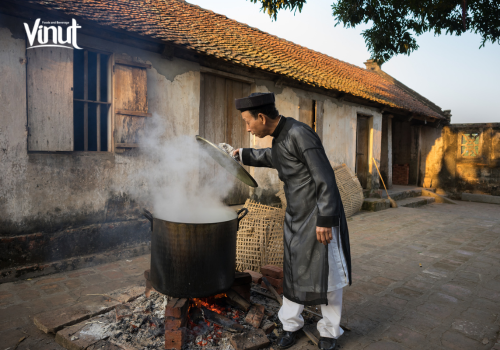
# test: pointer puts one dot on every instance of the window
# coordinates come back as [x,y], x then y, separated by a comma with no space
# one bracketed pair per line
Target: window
[91,100]
[469,145]
[70,99]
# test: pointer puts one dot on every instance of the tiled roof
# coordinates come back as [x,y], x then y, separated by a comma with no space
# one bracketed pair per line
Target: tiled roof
[181,23]
[409,91]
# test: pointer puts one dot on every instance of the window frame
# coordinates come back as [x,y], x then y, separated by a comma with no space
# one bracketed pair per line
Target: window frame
[479,146]
[110,103]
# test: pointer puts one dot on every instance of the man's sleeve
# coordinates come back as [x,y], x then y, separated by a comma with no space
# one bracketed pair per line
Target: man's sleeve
[326,187]
[257,157]
[310,150]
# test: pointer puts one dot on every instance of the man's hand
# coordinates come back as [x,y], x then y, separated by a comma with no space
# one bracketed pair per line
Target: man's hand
[236,154]
[324,234]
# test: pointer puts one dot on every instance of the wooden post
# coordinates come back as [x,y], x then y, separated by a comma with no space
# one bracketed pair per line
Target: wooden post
[319,119]
[389,151]
[419,149]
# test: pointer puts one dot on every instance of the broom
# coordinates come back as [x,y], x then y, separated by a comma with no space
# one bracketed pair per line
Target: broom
[393,202]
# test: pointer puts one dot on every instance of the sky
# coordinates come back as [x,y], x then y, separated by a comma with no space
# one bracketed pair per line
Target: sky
[451,71]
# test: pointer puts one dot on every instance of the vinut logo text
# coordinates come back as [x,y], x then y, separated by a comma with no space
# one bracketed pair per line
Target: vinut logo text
[45,33]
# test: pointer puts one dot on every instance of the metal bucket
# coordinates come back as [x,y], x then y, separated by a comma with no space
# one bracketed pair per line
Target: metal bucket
[193,260]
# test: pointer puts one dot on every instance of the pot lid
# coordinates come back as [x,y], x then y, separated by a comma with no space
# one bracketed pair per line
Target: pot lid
[227,162]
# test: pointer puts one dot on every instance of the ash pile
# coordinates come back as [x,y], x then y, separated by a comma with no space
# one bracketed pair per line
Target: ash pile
[243,318]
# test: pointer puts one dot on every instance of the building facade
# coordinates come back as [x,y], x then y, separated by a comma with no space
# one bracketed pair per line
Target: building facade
[72,119]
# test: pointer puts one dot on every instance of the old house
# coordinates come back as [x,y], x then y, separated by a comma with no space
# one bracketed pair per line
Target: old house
[71,118]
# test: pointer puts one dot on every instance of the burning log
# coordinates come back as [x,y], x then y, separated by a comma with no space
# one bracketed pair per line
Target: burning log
[234,299]
[230,325]
[196,315]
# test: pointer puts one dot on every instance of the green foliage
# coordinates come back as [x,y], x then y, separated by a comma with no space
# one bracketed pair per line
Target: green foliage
[397,23]
[273,6]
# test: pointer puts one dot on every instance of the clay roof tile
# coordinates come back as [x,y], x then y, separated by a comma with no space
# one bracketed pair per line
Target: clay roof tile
[216,35]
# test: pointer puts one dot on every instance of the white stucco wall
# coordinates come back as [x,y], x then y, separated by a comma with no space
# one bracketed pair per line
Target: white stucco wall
[48,190]
[13,133]
[339,135]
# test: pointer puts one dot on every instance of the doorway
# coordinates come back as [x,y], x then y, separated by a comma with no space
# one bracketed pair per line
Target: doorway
[220,121]
[307,113]
[362,143]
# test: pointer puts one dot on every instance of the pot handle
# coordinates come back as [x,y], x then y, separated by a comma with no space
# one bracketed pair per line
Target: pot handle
[245,210]
[147,214]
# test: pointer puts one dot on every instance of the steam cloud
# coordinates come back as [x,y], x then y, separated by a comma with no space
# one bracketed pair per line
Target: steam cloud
[184,184]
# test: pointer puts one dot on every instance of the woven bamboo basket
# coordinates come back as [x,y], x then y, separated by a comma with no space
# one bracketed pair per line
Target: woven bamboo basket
[260,236]
[350,189]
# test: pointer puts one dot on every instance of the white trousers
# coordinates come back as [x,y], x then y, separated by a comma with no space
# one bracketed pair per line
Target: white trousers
[328,327]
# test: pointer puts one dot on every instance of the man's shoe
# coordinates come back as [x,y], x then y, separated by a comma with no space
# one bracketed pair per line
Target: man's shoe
[327,343]
[287,339]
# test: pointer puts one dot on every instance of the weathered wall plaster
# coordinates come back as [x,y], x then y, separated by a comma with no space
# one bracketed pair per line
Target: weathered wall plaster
[44,195]
[49,191]
[443,166]
[52,203]
[431,156]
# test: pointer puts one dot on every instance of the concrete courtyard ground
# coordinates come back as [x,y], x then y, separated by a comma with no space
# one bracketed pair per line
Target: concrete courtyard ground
[424,278]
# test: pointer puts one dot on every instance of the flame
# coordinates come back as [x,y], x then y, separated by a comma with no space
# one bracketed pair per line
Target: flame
[209,303]
[215,334]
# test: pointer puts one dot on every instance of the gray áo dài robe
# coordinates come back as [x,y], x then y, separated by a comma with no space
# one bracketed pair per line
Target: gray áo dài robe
[313,199]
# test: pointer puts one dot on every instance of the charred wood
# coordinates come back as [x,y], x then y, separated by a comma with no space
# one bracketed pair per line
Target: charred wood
[225,322]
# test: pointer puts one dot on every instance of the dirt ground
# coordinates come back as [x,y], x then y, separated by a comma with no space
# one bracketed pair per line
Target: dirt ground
[423,278]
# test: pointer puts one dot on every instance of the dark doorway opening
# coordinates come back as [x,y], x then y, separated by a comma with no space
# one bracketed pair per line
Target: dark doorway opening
[362,141]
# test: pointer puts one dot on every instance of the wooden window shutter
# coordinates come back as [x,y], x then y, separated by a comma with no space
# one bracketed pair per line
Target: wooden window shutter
[130,102]
[50,99]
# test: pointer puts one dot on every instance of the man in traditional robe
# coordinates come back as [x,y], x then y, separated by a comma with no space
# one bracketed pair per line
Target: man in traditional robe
[317,260]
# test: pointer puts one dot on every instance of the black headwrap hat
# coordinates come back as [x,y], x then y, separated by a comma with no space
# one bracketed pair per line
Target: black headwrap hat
[255,100]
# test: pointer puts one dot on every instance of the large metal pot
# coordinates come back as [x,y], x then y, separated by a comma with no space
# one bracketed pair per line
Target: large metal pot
[193,260]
